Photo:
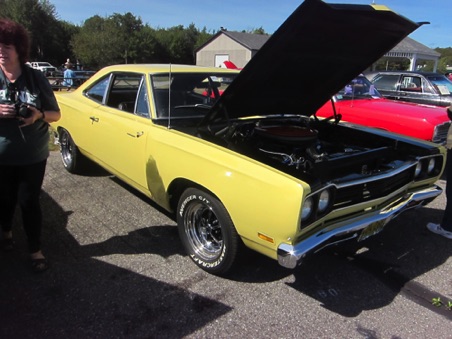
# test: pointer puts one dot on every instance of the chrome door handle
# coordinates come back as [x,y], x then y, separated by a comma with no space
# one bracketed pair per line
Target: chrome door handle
[136,135]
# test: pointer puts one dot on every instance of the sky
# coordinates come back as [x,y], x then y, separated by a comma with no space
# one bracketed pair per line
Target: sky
[235,15]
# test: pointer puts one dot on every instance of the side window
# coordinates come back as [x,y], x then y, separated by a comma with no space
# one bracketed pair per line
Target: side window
[123,91]
[386,82]
[426,87]
[411,84]
[143,101]
[98,91]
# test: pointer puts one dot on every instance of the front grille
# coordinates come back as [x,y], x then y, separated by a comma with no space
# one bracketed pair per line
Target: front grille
[370,190]
[440,132]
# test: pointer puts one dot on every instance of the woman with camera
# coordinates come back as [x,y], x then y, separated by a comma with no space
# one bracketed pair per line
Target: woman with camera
[27,105]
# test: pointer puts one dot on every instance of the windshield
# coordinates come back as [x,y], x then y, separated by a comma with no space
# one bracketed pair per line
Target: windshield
[187,95]
[358,88]
[443,84]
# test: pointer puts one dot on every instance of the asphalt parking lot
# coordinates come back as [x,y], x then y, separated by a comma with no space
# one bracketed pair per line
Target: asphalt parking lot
[118,270]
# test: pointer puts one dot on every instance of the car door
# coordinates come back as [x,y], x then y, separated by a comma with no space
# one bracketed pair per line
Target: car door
[415,88]
[122,125]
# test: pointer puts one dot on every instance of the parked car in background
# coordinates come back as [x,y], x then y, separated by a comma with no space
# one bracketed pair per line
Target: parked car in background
[254,166]
[45,67]
[421,87]
[359,102]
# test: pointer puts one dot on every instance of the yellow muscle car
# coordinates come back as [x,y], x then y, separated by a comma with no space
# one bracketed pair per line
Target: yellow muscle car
[241,158]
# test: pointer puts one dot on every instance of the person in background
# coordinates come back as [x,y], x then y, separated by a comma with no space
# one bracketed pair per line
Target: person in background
[68,75]
[445,228]
[27,105]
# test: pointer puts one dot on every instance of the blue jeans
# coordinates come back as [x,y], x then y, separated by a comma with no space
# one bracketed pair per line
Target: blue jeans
[22,185]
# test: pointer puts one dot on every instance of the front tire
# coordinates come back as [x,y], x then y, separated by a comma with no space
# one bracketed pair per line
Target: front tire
[207,232]
[73,160]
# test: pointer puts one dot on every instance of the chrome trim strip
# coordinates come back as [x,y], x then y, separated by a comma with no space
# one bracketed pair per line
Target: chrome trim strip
[372,202]
[387,174]
[289,256]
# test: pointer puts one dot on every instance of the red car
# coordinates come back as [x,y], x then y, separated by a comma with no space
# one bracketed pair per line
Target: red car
[360,103]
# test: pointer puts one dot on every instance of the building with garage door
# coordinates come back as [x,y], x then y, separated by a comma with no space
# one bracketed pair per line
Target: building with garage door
[236,47]
[239,48]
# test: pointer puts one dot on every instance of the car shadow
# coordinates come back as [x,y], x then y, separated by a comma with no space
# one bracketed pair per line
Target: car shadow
[344,260]
[83,297]
[356,277]
[253,267]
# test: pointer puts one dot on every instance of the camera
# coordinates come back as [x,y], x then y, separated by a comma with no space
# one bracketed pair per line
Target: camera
[22,110]
[20,107]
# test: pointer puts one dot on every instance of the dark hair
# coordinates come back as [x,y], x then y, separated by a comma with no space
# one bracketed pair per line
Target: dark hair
[13,33]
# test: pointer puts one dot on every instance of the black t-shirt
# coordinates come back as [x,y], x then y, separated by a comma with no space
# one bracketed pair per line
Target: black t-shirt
[29,144]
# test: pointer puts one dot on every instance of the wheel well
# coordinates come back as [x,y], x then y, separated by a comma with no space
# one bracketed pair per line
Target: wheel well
[178,186]
[59,129]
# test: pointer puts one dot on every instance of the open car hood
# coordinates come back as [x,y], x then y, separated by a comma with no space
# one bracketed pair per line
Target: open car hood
[315,53]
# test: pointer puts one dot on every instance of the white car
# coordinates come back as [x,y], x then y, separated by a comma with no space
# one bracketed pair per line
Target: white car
[44,67]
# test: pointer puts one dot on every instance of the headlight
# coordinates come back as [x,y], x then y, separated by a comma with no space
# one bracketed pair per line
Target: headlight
[431,165]
[306,211]
[418,169]
[324,200]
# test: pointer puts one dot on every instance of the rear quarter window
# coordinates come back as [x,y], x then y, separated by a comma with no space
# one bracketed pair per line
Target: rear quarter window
[386,82]
[98,90]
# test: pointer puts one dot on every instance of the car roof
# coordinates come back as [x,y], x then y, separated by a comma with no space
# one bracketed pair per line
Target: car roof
[156,69]
[406,72]
[163,68]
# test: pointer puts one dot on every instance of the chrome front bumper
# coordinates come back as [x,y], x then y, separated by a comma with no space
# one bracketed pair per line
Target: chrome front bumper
[290,255]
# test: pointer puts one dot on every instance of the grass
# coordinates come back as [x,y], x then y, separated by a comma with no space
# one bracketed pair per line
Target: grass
[439,303]
[53,142]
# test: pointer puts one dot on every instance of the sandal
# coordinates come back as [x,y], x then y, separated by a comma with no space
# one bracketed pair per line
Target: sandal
[8,244]
[39,265]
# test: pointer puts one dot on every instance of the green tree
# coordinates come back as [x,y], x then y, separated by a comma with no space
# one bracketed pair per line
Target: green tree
[147,48]
[445,60]
[391,63]
[39,18]
[62,41]
[259,30]
[116,39]
[202,37]
[180,43]
[98,43]
[128,28]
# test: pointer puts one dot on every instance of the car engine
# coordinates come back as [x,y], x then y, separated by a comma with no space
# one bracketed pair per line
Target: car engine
[307,147]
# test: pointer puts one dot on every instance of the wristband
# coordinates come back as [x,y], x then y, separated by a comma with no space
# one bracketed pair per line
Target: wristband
[43,114]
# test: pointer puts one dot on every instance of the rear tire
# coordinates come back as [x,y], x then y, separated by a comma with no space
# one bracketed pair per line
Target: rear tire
[207,231]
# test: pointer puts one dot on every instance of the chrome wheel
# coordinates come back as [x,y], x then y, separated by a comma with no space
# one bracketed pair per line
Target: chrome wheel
[203,231]
[73,160]
[67,148]
[207,231]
